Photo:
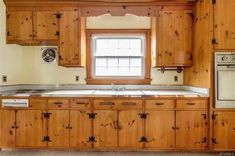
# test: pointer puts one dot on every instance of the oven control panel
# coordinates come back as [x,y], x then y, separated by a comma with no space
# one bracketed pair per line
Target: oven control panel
[225,58]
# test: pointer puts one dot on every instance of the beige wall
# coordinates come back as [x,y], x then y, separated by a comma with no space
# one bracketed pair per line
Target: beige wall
[24,64]
[10,55]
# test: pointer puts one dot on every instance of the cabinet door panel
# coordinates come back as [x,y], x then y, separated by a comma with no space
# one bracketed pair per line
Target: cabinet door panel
[224,28]
[19,25]
[57,131]
[80,129]
[224,131]
[130,129]
[7,130]
[45,25]
[105,129]
[31,128]
[69,44]
[159,129]
[175,27]
[191,129]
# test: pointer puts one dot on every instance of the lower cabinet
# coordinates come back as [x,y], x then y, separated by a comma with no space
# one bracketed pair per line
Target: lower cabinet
[159,130]
[106,129]
[224,131]
[31,128]
[7,128]
[130,127]
[80,129]
[191,129]
[58,128]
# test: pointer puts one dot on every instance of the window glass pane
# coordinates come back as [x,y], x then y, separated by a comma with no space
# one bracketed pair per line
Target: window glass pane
[118,56]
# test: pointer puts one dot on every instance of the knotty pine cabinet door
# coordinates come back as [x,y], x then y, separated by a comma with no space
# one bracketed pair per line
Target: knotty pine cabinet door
[58,128]
[224,131]
[7,128]
[80,130]
[174,35]
[46,27]
[19,26]
[106,129]
[69,42]
[224,25]
[158,129]
[130,129]
[32,127]
[191,130]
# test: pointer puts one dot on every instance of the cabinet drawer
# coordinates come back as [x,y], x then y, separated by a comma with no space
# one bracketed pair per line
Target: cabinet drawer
[104,104]
[129,104]
[38,104]
[159,104]
[80,103]
[192,103]
[58,103]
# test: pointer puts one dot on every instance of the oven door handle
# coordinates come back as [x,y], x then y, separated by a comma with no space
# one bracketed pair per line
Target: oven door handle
[230,66]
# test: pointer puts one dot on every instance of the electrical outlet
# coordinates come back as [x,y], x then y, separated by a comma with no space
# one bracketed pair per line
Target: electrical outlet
[76,78]
[4,78]
[176,78]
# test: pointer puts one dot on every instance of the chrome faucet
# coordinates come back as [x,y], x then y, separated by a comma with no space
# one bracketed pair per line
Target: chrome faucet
[116,88]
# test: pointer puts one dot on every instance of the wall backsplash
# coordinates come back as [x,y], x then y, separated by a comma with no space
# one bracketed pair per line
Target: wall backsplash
[23,64]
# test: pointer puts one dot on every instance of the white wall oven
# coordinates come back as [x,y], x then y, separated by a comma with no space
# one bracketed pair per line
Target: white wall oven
[225,79]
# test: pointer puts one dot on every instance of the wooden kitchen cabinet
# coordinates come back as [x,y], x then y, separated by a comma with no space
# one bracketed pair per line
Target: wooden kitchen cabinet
[80,129]
[58,128]
[159,129]
[130,127]
[69,42]
[174,46]
[224,25]
[32,27]
[31,128]
[19,26]
[191,129]
[224,131]
[46,27]
[7,128]
[106,129]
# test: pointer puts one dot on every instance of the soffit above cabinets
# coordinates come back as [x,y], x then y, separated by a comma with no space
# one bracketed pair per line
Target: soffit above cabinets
[96,2]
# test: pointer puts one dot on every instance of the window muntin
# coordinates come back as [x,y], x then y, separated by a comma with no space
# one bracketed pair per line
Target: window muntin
[118,55]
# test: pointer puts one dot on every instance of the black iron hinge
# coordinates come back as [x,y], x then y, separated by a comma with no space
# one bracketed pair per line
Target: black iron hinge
[8,33]
[57,33]
[143,139]
[214,41]
[46,115]
[143,115]
[91,115]
[91,139]
[204,116]
[46,139]
[213,2]
[204,140]
[58,15]
[213,116]
[214,141]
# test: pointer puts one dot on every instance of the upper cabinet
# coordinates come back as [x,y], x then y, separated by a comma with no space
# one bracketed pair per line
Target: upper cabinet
[174,33]
[19,26]
[224,25]
[28,27]
[69,42]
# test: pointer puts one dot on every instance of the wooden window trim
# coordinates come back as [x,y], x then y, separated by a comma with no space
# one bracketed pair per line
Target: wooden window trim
[91,80]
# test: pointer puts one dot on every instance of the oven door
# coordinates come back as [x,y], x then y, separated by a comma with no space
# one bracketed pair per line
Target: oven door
[226,83]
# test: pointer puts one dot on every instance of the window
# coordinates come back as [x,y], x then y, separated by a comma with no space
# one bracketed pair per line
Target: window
[117,56]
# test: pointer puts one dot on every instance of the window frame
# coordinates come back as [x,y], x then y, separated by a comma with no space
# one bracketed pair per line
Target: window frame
[145,79]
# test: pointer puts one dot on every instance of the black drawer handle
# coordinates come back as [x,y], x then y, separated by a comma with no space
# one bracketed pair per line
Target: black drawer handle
[106,103]
[191,104]
[82,103]
[129,103]
[159,103]
[58,103]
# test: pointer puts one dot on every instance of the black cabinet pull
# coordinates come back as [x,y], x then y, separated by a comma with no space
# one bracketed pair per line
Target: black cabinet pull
[189,103]
[159,103]
[129,103]
[58,103]
[106,103]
